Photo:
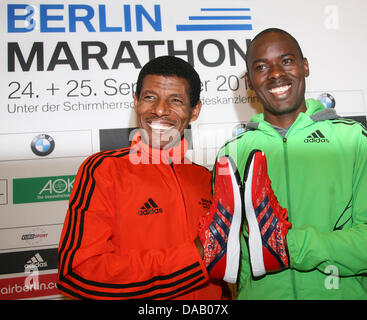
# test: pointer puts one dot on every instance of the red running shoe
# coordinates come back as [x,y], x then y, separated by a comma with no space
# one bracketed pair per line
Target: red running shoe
[219,230]
[266,219]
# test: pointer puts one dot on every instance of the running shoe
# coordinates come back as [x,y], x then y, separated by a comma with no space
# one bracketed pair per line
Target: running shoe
[219,230]
[266,219]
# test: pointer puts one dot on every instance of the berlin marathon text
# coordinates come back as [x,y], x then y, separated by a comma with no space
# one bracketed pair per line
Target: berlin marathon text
[93,54]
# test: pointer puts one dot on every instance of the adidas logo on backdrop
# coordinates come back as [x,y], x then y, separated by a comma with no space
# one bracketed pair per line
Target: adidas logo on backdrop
[149,207]
[316,137]
[35,262]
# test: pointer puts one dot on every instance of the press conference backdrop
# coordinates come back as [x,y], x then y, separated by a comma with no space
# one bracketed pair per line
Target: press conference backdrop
[68,75]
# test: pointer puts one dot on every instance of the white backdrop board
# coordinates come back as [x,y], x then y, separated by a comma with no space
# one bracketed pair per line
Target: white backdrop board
[68,75]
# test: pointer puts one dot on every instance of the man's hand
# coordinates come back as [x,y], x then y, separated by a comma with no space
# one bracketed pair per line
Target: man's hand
[199,246]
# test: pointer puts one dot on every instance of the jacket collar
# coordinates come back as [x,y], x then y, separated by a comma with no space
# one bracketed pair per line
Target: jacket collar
[315,111]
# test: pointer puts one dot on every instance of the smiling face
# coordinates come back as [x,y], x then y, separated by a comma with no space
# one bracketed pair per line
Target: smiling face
[276,72]
[163,110]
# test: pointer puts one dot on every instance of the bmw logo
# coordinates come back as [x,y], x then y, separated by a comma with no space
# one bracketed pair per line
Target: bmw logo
[327,100]
[238,129]
[42,145]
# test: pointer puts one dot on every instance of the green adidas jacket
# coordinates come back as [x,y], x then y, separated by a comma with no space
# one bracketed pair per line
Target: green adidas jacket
[319,173]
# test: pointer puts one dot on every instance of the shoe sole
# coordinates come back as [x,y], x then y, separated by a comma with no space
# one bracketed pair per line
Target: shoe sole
[254,239]
[233,243]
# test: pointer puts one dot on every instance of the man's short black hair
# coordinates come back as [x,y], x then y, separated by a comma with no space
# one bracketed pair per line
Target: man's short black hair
[172,66]
[277,30]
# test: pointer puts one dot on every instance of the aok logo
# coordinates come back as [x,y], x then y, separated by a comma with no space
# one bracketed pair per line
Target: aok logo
[42,189]
[58,186]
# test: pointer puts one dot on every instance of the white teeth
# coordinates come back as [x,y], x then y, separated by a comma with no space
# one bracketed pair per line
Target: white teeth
[156,125]
[280,89]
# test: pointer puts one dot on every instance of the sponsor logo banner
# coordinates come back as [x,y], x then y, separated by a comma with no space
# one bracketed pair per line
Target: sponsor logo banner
[346,102]
[31,286]
[41,189]
[22,261]
[35,145]
[32,236]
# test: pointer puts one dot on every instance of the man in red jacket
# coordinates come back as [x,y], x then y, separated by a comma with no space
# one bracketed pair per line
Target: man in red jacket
[131,227]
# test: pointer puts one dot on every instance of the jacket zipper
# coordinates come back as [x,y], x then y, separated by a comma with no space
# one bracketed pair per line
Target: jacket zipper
[194,293]
[285,150]
[182,199]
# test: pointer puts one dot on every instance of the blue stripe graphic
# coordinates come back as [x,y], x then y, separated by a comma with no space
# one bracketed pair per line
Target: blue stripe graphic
[270,230]
[212,27]
[225,9]
[273,253]
[266,217]
[217,235]
[220,223]
[224,212]
[262,206]
[220,18]
[219,238]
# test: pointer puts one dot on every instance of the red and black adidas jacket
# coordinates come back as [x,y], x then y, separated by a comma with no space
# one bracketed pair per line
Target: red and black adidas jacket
[130,228]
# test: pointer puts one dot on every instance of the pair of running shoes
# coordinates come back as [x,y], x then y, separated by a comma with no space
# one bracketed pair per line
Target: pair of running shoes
[253,200]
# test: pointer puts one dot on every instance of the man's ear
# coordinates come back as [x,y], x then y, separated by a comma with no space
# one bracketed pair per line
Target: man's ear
[136,99]
[196,111]
[306,67]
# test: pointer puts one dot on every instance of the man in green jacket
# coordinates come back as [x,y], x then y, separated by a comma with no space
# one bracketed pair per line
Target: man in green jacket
[315,162]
